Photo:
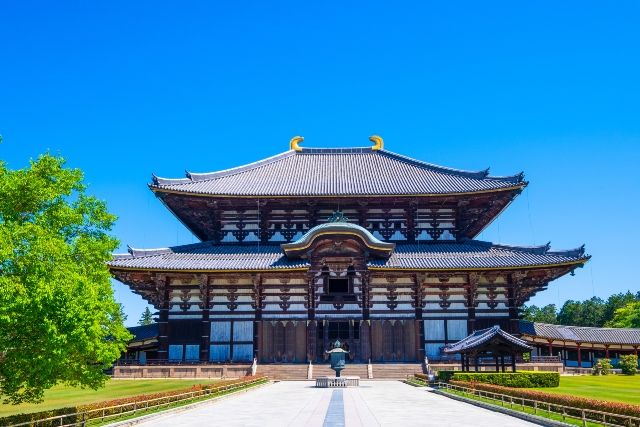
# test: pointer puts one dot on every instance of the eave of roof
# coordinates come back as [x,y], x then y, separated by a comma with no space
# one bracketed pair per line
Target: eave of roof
[340,172]
[481,337]
[440,256]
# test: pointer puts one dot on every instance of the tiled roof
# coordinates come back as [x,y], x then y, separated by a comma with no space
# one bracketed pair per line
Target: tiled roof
[433,255]
[581,333]
[478,338]
[474,254]
[342,171]
[144,332]
[207,256]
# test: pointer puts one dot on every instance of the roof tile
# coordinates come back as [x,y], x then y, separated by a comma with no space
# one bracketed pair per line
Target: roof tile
[347,171]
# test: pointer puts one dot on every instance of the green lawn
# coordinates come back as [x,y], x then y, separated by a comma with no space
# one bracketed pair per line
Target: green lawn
[619,388]
[61,396]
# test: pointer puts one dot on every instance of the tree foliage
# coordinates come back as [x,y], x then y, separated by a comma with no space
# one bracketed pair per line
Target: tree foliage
[146,318]
[546,314]
[59,321]
[626,317]
[619,310]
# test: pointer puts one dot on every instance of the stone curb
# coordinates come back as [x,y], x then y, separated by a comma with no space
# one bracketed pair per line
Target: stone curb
[155,415]
[523,416]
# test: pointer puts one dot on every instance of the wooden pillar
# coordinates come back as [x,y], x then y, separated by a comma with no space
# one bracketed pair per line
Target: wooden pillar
[579,356]
[497,364]
[502,361]
[162,286]
[513,307]
[635,350]
[366,295]
[312,325]
[205,299]
[606,351]
[475,360]
[513,362]
[325,337]
[550,347]
[471,302]
[257,320]
[462,361]
[417,282]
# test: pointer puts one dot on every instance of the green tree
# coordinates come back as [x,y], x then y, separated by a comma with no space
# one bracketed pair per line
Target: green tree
[626,317]
[546,314]
[570,313]
[146,318]
[617,301]
[59,321]
[586,313]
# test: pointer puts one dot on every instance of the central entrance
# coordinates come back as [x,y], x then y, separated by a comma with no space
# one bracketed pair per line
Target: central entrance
[347,331]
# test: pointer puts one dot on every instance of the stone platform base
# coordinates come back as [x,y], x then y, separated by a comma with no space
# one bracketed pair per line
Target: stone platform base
[183,371]
[336,382]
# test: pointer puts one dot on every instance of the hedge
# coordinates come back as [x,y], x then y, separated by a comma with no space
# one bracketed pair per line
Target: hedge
[109,404]
[522,379]
[558,399]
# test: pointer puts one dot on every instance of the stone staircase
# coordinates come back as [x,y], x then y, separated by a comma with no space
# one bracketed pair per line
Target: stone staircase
[298,371]
[395,371]
[284,371]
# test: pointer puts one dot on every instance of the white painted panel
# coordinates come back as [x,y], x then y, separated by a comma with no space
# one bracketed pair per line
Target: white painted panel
[284,316]
[330,307]
[392,314]
[220,331]
[219,352]
[434,329]
[242,352]
[243,331]
[447,236]
[498,314]
[185,316]
[456,329]
[457,306]
[230,315]
[220,307]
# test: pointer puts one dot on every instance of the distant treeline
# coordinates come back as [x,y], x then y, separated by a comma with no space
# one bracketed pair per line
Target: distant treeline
[618,311]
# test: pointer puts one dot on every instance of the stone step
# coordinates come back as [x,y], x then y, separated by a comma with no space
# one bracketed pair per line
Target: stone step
[298,371]
[395,370]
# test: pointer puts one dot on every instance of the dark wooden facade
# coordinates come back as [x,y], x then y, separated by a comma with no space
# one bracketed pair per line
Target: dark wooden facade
[398,279]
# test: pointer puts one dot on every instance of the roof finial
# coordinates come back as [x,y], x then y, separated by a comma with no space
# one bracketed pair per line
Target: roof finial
[294,143]
[378,143]
[338,216]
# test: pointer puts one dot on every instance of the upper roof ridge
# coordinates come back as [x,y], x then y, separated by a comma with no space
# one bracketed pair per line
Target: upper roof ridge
[205,176]
[194,177]
[480,174]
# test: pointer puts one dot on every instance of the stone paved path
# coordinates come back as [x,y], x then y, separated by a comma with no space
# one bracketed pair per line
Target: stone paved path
[374,403]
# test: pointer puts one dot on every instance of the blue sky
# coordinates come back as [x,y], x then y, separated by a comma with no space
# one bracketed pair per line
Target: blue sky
[124,89]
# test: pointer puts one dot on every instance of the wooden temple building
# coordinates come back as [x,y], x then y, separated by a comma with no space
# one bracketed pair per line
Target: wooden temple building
[312,245]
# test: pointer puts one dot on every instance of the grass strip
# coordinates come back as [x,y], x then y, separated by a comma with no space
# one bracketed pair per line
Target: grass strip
[143,412]
[518,408]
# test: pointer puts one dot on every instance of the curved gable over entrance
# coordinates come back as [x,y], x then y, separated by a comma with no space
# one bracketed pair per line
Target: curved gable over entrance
[338,237]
